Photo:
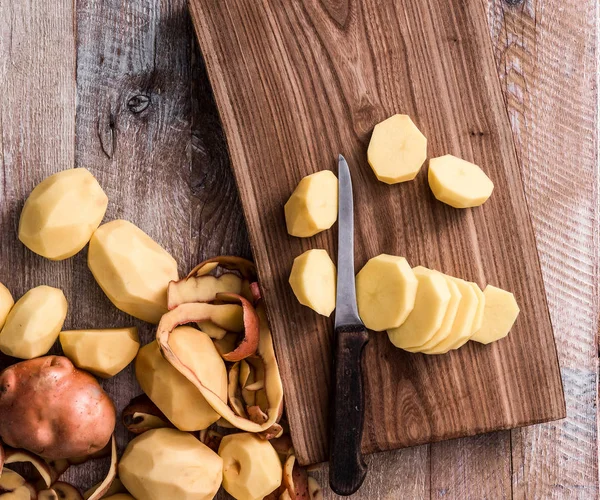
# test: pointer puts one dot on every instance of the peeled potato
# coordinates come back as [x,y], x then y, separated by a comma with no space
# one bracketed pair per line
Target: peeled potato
[132,269]
[386,288]
[61,214]
[458,183]
[462,327]
[313,280]
[101,352]
[397,150]
[313,206]
[431,304]
[6,304]
[500,313]
[34,322]
[445,329]
[251,466]
[478,320]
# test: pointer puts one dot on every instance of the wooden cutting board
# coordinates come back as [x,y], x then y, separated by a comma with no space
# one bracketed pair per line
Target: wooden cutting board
[298,82]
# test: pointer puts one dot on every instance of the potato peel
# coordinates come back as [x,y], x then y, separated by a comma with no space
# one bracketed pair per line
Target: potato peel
[233,390]
[66,491]
[315,492]
[249,344]
[201,288]
[246,268]
[141,415]
[2,457]
[295,479]
[17,456]
[110,475]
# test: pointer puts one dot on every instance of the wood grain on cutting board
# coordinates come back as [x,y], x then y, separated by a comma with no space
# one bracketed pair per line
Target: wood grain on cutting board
[299,82]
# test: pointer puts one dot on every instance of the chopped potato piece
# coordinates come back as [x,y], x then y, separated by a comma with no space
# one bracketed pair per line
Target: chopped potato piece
[478,320]
[313,206]
[500,313]
[431,304]
[386,288]
[101,352]
[397,150]
[462,328]
[458,183]
[34,322]
[449,318]
[313,280]
[132,269]
[6,304]
[61,213]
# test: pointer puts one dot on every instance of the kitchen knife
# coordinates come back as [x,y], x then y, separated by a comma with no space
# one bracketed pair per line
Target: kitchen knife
[347,469]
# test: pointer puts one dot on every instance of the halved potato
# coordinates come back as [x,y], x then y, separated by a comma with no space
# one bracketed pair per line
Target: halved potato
[101,352]
[313,280]
[462,328]
[34,322]
[500,313]
[397,150]
[431,304]
[313,205]
[61,213]
[449,318]
[6,304]
[478,320]
[458,183]
[386,288]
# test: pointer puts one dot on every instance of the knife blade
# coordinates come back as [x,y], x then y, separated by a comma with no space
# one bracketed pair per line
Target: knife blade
[347,469]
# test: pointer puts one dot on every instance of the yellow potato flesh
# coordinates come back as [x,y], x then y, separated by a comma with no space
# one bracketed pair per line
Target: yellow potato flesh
[431,304]
[446,328]
[458,183]
[163,464]
[397,150]
[313,206]
[132,269]
[500,313]
[313,280]
[212,330]
[251,466]
[462,328]
[168,389]
[101,352]
[6,304]
[34,322]
[478,320]
[61,213]
[386,288]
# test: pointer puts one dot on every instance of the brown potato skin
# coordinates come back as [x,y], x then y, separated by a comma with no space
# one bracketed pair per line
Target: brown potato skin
[51,408]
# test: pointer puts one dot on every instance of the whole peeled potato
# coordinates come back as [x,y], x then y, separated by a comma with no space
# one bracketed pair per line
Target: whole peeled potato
[51,408]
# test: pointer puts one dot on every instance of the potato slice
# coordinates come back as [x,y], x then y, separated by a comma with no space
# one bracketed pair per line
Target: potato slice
[431,304]
[386,288]
[478,320]
[34,322]
[313,280]
[313,206]
[397,150]
[101,352]
[462,327]
[6,304]
[132,269]
[458,183]
[449,318]
[500,313]
[61,214]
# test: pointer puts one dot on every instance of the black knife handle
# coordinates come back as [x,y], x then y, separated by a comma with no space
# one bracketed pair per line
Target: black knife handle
[347,469]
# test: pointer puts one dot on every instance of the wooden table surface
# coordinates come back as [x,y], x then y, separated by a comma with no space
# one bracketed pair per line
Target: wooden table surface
[119,87]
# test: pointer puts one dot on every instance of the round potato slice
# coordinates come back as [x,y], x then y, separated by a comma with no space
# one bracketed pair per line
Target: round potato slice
[462,327]
[313,280]
[478,320]
[313,206]
[386,288]
[431,304]
[6,303]
[458,183]
[500,313]
[397,150]
[449,318]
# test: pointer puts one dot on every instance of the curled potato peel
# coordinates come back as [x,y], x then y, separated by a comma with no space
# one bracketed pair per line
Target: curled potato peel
[201,288]
[246,268]
[111,474]
[141,415]
[13,456]
[249,344]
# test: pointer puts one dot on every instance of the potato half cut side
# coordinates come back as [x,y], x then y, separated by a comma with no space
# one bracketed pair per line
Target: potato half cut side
[446,328]
[458,183]
[431,303]
[500,313]
[463,323]
[313,280]
[386,288]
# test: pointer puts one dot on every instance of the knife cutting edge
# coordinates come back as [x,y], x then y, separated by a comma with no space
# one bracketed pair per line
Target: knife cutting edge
[347,469]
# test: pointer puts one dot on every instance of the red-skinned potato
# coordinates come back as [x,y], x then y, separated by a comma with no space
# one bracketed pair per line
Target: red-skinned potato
[54,410]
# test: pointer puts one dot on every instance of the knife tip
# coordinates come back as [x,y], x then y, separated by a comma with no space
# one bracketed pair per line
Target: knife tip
[341,158]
